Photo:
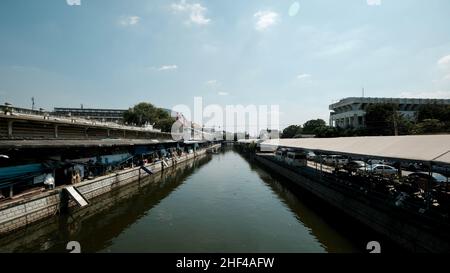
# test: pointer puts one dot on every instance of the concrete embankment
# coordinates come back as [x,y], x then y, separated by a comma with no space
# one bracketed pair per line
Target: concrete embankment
[405,229]
[20,213]
[128,204]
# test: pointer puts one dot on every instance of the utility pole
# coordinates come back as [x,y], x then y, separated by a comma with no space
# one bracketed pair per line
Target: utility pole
[394,113]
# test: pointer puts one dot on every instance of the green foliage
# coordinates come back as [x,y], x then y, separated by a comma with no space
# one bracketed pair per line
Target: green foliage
[311,126]
[430,126]
[145,113]
[380,119]
[432,119]
[291,131]
[327,132]
[252,147]
[433,111]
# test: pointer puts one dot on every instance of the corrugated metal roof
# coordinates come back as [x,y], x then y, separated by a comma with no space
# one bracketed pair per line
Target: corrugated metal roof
[248,141]
[420,148]
[63,143]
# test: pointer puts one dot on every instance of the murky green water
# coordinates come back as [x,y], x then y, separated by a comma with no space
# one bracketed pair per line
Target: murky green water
[221,203]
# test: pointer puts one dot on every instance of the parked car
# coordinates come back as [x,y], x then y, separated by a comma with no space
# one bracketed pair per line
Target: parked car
[379,169]
[281,154]
[311,156]
[335,160]
[443,169]
[379,161]
[435,177]
[297,159]
[411,166]
[423,179]
[353,166]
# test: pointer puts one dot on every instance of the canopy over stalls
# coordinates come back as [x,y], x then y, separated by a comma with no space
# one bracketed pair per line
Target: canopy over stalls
[430,148]
[249,141]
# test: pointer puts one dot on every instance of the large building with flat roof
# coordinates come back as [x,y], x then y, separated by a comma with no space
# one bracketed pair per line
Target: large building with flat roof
[350,112]
[105,115]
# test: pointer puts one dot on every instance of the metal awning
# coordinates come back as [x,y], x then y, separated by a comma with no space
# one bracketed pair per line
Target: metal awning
[64,143]
[249,141]
[427,148]
[194,141]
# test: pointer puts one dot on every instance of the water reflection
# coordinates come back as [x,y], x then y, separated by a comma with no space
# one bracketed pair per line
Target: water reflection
[330,238]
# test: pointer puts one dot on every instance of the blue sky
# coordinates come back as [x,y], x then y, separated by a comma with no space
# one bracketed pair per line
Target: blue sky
[113,54]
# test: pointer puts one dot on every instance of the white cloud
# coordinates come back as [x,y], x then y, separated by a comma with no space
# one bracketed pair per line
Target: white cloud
[444,65]
[129,20]
[426,94]
[223,93]
[197,12]
[341,47]
[444,60]
[212,83]
[325,43]
[303,76]
[168,67]
[73,2]
[374,2]
[265,19]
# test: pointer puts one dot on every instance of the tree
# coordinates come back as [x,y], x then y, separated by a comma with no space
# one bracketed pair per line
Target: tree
[385,119]
[432,119]
[327,132]
[165,124]
[433,111]
[429,126]
[291,131]
[381,119]
[312,126]
[145,113]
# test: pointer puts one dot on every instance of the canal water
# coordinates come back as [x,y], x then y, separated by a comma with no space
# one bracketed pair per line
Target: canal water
[220,203]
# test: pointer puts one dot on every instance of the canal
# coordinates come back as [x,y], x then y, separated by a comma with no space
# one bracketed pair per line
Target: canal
[219,203]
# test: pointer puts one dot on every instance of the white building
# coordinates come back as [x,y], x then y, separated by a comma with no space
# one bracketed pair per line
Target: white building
[350,112]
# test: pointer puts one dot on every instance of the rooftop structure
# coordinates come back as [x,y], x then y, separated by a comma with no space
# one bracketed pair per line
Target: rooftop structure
[424,148]
[105,115]
[350,112]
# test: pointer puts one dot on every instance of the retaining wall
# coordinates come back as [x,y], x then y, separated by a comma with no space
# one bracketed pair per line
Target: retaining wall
[20,213]
[410,233]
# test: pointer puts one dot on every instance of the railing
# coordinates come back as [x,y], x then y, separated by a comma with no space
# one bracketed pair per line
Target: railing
[35,114]
[356,189]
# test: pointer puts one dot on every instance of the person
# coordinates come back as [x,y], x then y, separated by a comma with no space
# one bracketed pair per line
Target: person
[76,178]
[49,181]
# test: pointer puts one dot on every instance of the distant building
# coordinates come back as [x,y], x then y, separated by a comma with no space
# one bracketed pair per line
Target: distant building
[105,115]
[350,112]
[269,134]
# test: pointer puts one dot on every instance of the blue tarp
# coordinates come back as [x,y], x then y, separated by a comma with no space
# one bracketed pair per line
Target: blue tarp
[14,174]
[17,171]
